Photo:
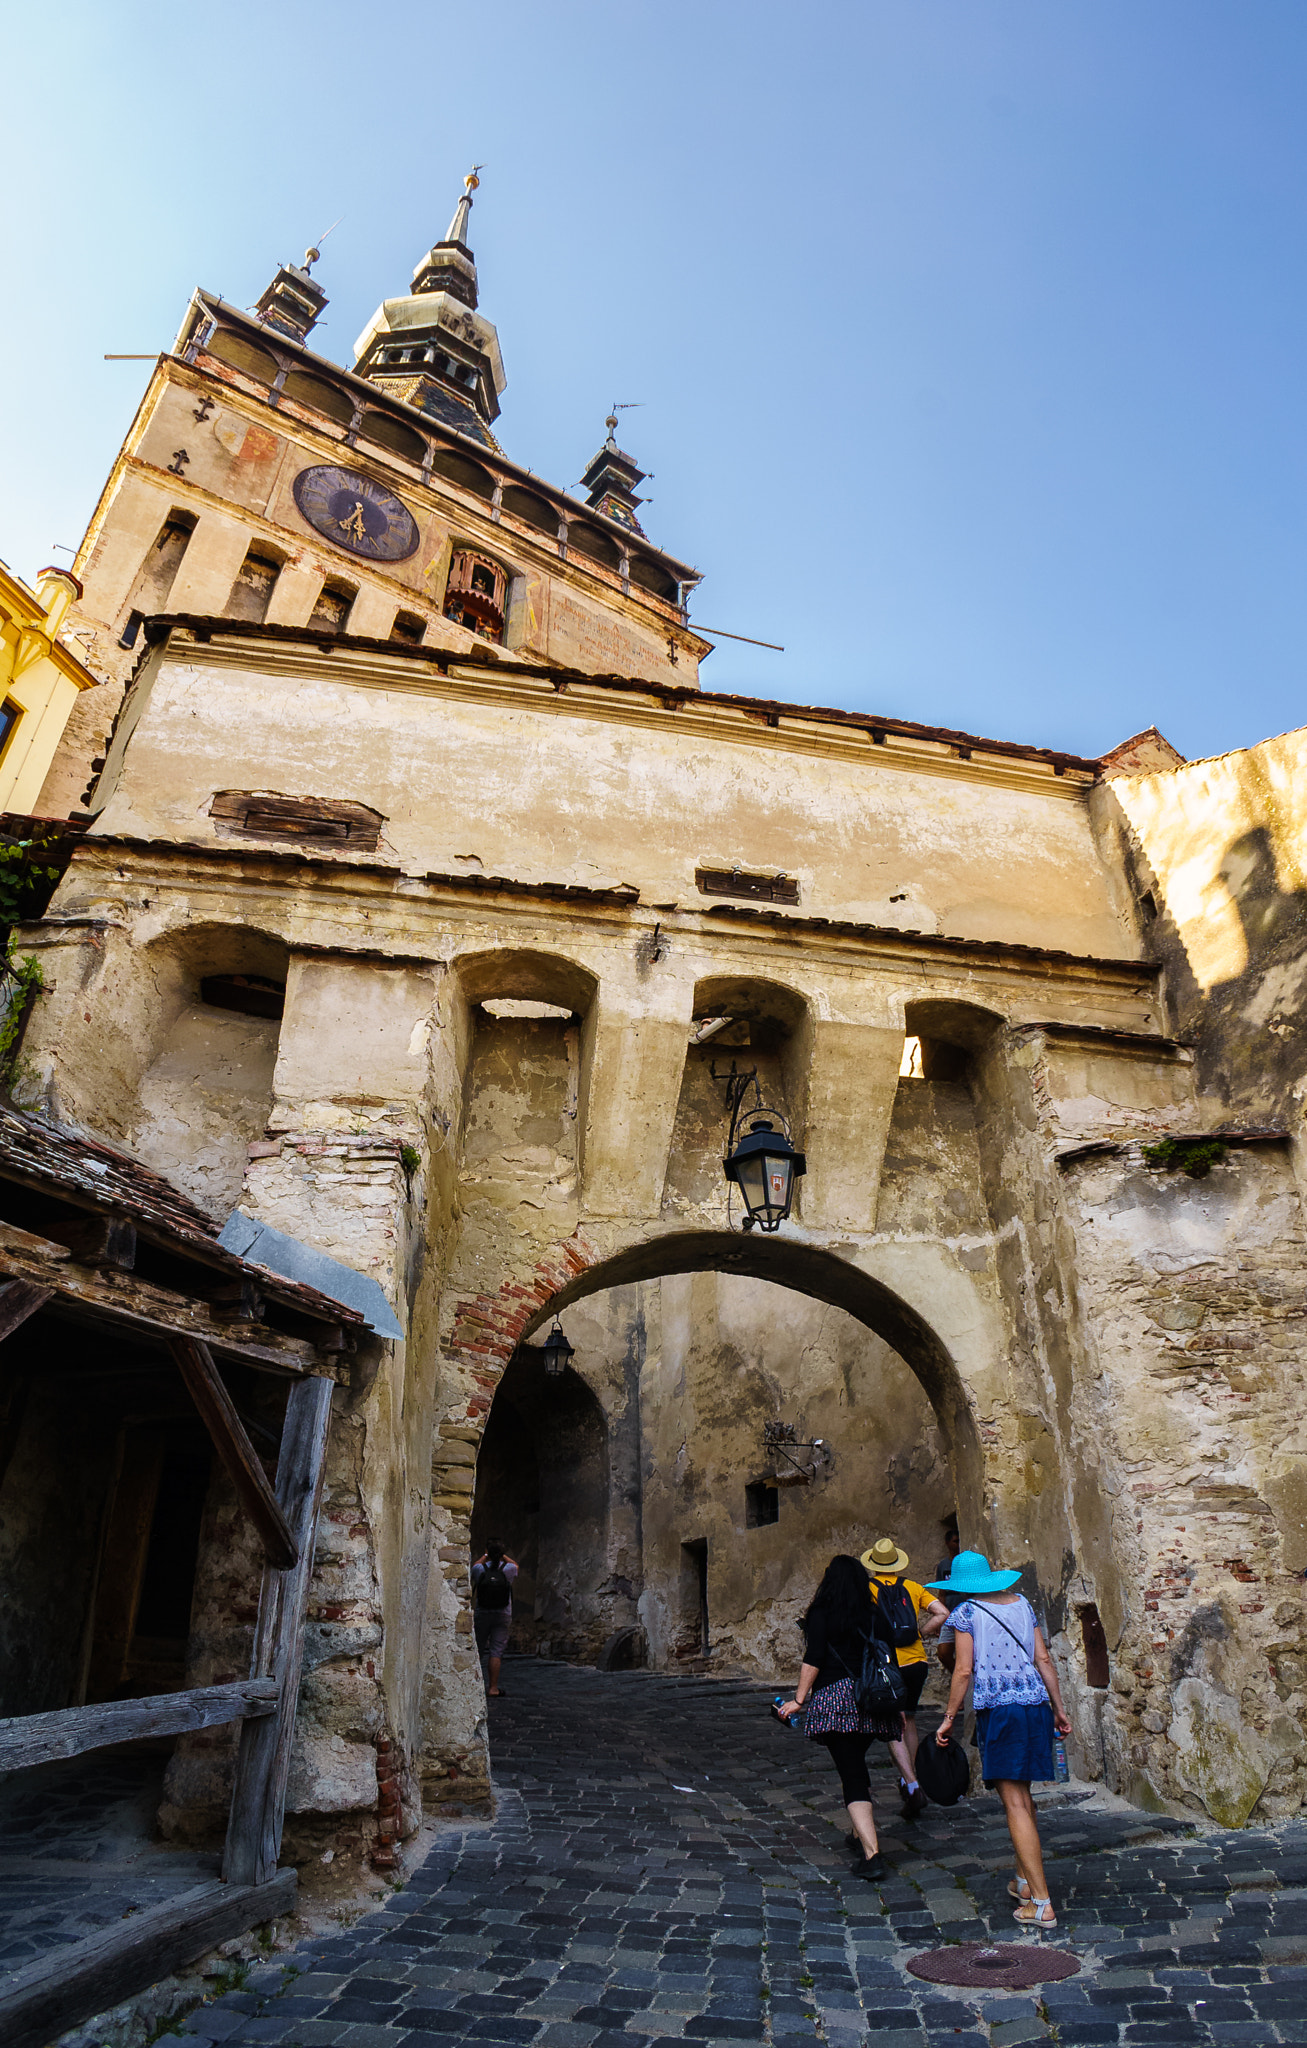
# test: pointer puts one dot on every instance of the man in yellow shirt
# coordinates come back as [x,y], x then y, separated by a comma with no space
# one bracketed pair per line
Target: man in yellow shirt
[903,1603]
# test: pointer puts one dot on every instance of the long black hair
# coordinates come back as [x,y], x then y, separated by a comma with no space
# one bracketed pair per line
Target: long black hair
[843,1599]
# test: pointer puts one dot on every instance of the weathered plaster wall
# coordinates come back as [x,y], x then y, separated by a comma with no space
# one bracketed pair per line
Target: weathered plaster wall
[986,857]
[203,1100]
[1220,849]
[486,1166]
[724,1355]
[1194,1385]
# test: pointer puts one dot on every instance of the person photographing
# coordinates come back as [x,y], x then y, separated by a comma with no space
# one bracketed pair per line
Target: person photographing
[492,1589]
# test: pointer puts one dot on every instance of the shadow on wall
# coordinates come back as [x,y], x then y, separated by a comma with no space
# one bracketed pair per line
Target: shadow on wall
[1250,1028]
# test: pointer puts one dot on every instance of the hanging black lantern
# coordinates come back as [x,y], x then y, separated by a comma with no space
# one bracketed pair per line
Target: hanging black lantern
[764,1167]
[557,1352]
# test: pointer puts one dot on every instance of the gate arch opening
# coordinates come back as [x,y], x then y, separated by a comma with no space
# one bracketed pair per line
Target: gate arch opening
[826,1276]
[671,1514]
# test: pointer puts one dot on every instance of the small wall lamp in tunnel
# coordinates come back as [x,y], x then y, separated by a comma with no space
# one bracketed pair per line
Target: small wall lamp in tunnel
[557,1352]
[760,1160]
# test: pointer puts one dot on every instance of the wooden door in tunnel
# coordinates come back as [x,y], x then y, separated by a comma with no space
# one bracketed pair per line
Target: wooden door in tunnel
[542,1490]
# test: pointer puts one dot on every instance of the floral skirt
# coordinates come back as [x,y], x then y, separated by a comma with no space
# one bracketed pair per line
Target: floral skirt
[833,1710]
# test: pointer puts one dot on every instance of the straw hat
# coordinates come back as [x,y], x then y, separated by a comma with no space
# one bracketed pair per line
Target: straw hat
[885,1556]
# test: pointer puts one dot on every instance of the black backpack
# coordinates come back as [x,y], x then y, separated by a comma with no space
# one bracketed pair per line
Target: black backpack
[877,1683]
[493,1588]
[896,1605]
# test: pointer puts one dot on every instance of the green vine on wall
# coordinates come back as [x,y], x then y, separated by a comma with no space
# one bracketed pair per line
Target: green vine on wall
[27,880]
[1194,1156]
[26,877]
[21,982]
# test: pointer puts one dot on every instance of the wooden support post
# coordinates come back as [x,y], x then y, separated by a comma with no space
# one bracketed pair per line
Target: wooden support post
[19,1300]
[259,1798]
[235,1449]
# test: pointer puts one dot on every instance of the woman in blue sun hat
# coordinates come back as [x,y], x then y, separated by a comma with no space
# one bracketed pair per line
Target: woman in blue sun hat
[1018,1704]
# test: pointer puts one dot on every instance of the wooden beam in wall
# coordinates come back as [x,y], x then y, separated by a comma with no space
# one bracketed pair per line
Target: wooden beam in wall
[31,1739]
[238,1454]
[259,1799]
[19,1300]
[81,1978]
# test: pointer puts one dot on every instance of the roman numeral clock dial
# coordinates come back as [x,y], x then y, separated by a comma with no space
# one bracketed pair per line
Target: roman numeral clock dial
[356,514]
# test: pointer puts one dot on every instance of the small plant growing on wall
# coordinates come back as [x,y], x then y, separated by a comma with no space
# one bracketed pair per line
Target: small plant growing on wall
[27,879]
[1193,1156]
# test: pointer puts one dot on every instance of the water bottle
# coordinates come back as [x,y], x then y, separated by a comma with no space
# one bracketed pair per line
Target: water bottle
[1061,1768]
[776,1706]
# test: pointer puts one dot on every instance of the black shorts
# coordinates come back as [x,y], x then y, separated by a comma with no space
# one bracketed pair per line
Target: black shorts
[914,1677]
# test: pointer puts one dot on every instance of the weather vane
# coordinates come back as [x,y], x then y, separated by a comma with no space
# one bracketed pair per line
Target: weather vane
[471,181]
[314,250]
[621,405]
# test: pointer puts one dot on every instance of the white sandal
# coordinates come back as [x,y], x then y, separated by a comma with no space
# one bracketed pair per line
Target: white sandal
[1036,1913]
[1019,1889]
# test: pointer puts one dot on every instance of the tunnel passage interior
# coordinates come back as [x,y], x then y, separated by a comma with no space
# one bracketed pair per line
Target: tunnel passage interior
[542,1491]
[639,1488]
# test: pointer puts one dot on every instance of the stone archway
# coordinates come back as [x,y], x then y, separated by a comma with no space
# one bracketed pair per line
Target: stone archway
[487,1328]
[917,1297]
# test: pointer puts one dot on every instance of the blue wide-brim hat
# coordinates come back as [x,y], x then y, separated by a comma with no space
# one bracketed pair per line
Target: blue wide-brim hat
[971,1574]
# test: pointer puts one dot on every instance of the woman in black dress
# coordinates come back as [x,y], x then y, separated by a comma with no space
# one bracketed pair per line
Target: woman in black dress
[835,1628]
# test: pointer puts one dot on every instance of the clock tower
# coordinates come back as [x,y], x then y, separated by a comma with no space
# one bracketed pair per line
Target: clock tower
[433,349]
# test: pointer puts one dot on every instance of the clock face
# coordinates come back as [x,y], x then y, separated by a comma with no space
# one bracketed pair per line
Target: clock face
[356,514]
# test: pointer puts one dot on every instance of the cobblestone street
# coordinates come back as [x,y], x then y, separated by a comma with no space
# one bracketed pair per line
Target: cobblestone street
[668,1865]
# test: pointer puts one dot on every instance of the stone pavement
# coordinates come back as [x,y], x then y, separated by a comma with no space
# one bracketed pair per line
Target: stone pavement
[77,1852]
[667,1867]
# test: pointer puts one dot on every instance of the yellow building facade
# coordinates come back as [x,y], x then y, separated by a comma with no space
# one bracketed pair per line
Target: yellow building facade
[40,681]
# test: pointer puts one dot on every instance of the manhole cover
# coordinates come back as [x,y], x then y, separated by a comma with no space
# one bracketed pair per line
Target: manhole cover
[1009,1966]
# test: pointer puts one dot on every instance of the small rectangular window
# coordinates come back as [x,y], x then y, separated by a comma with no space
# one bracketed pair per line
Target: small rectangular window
[408,628]
[10,713]
[747,888]
[762,1505]
[1094,1637]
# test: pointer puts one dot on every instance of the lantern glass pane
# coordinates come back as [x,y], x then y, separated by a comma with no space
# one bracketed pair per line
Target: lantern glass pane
[753,1182]
[778,1172]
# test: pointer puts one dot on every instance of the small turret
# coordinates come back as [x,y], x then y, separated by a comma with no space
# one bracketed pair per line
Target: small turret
[293,301]
[610,479]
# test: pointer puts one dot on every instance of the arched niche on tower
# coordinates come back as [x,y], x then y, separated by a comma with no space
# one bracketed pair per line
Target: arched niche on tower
[757,1026]
[461,471]
[530,510]
[933,1181]
[525,1021]
[204,1088]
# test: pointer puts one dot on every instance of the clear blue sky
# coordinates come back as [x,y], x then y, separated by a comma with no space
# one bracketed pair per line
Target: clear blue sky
[969,333]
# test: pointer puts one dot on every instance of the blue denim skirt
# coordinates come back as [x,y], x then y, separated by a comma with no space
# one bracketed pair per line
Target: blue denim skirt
[1015,1742]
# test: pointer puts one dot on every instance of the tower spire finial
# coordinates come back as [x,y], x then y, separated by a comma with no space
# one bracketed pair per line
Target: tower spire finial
[457,230]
